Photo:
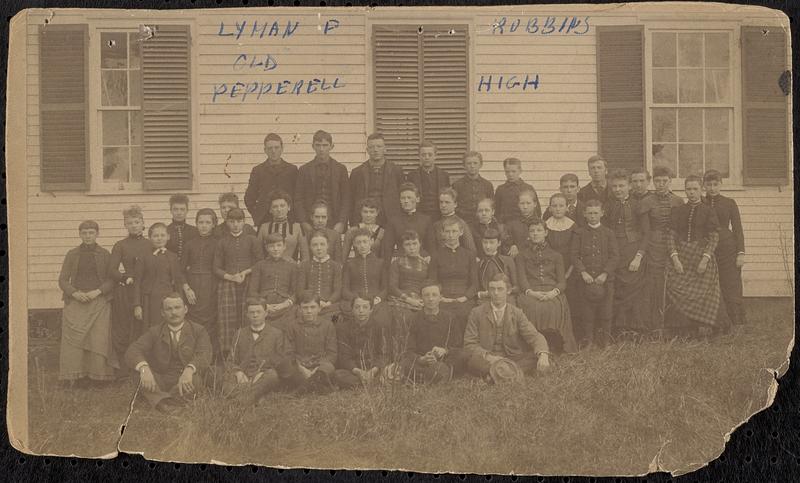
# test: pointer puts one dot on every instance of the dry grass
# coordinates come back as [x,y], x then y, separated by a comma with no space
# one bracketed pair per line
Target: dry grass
[599,412]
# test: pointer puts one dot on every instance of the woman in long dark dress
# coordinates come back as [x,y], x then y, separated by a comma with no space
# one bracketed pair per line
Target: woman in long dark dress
[198,264]
[656,211]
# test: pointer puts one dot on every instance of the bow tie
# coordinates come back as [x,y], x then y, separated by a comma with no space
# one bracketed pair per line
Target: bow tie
[159,251]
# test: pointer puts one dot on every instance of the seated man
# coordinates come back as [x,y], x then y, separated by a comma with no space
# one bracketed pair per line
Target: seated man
[170,357]
[258,353]
[361,354]
[434,349]
[311,347]
[498,330]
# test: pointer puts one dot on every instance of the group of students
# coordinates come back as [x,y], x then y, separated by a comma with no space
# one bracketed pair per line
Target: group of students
[412,289]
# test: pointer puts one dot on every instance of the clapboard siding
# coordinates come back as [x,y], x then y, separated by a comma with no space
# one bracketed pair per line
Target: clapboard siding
[553,130]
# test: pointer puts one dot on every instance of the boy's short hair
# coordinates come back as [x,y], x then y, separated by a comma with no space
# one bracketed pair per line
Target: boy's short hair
[491,202]
[362,232]
[693,178]
[450,220]
[512,162]
[409,235]
[662,170]
[155,226]
[619,174]
[537,222]
[236,214]
[307,297]
[712,175]
[279,194]
[179,199]
[473,154]
[449,191]
[557,195]
[528,192]
[641,171]
[322,136]
[317,234]
[361,296]
[568,177]
[208,212]
[427,144]
[256,301]
[409,187]
[273,137]
[319,204]
[273,238]
[371,203]
[89,225]
[374,136]
[595,158]
[491,234]
[592,203]
[230,196]
[501,277]
[133,211]
[429,282]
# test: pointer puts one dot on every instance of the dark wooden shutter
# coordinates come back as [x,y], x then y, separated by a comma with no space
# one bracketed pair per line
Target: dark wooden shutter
[422,91]
[63,107]
[765,106]
[620,96]
[166,112]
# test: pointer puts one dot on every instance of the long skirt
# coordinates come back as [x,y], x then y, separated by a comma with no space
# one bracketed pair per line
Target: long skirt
[693,298]
[231,312]
[656,261]
[631,306]
[204,310]
[730,281]
[551,316]
[125,328]
[86,349]
[152,304]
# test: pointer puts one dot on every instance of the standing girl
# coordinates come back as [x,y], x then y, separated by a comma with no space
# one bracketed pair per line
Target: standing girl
[279,208]
[198,264]
[158,275]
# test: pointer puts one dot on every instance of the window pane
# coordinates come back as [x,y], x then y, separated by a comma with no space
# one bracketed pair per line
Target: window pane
[717,50]
[717,125]
[664,125]
[114,50]
[664,155]
[136,128]
[136,88]
[115,164]
[718,157]
[690,125]
[665,89]
[690,160]
[664,54]
[133,46]
[115,128]
[691,85]
[114,86]
[718,85]
[136,164]
[690,50]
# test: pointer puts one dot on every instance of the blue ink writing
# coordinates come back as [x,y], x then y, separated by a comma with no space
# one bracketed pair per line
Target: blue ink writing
[266,62]
[256,90]
[330,25]
[542,25]
[508,83]
[257,30]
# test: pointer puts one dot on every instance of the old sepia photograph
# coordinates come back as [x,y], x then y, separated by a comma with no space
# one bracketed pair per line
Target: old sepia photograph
[550,240]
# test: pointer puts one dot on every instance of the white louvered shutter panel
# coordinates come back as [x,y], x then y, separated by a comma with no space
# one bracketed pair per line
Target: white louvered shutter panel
[166,108]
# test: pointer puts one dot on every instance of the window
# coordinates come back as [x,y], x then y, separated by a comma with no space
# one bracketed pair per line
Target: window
[120,107]
[421,91]
[692,104]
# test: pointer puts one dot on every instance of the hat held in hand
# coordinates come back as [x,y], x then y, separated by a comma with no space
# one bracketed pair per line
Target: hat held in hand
[505,370]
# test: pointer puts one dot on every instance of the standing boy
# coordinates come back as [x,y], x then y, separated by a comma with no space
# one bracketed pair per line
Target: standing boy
[272,174]
[597,189]
[376,178]
[429,179]
[506,198]
[322,179]
[409,219]
[179,231]
[227,202]
[472,187]
[568,186]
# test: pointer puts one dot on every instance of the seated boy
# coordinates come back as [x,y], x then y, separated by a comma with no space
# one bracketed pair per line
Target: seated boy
[447,208]
[506,197]
[492,263]
[434,350]
[258,353]
[179,231]
[319,222]
[361,354]
[311,347]
[594,256]
[227,202]
[456,270]
[322,275]
[409,219]
[274,280]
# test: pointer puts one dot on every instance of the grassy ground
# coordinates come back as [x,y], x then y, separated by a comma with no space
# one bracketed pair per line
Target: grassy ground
[628,409]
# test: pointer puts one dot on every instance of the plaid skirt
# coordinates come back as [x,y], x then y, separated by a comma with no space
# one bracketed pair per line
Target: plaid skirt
[695,296]
[231,313]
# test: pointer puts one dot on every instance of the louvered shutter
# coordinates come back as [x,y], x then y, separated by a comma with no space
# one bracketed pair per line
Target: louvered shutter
[63,107]
[765,106]
[166,113]
[445,98]
[620,96]
[421,92]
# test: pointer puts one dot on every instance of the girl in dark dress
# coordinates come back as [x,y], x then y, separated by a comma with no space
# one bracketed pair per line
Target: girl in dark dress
[158,275]
[560,230]
[198,264]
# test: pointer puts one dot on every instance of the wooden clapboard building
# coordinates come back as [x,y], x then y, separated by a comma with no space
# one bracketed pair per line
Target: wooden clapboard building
[125,109]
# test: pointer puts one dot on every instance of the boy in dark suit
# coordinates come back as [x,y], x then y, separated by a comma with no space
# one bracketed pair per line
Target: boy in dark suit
[409,219]
[506,196]
[429,180]
[472,187]
[271,175]
[312,348]
[158,275]
[323,179]
[569,187]
[376,178]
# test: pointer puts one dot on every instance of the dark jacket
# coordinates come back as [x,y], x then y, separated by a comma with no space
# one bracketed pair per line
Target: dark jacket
[306,192]
[157,274]
[264,179]
[177,242]
[390,193]
[153,347]
[441,179]
[254,356]
[311,343]
[69,270]
[359,346]
[594,250]
[731,235]
[519,334]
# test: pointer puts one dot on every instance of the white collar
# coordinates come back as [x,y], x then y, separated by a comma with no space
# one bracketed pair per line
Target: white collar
[160,250]
[593,226]
[564,223]
[498,309]
[236,235]
[180,328]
